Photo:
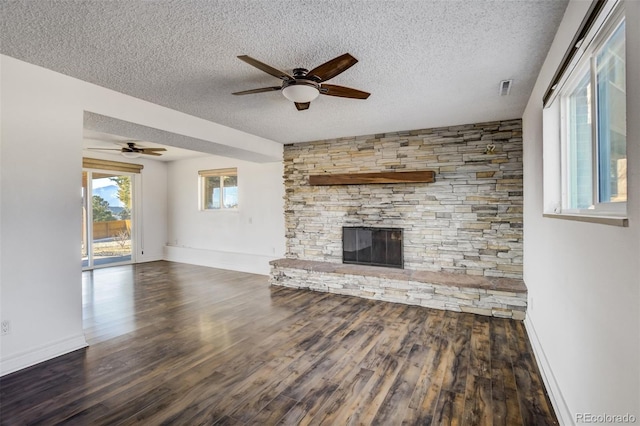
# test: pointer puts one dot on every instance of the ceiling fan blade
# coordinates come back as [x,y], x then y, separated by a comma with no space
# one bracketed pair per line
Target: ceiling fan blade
[104,149]
[261,90]
[152,149]
[146,152]
[302,105]
[330,69]
[343,92]
[266,68]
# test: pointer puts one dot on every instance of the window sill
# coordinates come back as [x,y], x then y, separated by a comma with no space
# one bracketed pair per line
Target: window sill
[601,219]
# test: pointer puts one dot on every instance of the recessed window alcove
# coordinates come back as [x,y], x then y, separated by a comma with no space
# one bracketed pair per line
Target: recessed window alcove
[372,246]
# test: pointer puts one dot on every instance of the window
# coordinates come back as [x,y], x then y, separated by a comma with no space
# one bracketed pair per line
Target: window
[591,102]
[219,189]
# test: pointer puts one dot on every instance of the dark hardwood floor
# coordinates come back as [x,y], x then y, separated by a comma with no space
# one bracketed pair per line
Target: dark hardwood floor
[185,345]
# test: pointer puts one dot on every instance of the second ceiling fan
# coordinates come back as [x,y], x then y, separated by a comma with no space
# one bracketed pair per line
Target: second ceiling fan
[304,86]
[132,150]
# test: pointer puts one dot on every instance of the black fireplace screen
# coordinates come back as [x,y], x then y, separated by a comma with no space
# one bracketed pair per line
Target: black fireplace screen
[372,246]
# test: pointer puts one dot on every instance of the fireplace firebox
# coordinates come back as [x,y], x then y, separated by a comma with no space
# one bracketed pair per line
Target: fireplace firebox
[372,246]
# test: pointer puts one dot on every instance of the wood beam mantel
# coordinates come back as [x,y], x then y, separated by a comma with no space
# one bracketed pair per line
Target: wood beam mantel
[424,176]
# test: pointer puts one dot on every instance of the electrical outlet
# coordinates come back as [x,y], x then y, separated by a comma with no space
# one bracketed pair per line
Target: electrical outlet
[6,327]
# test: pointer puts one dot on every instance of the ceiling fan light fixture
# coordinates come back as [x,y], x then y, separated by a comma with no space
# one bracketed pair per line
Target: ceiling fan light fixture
[304,86]
[300,93]
[130,154]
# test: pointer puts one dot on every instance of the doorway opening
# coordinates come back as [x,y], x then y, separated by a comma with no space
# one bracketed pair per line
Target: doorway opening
[107,213]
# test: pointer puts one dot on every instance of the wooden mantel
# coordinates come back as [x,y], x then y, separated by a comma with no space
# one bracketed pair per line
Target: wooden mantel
[424,176]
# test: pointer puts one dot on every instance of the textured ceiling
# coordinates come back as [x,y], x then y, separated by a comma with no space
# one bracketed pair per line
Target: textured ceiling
[426,63]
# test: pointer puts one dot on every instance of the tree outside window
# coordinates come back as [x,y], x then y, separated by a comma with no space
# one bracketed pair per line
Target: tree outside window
[219,189]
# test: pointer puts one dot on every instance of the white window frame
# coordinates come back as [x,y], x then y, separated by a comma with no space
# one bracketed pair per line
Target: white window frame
[613,213]
[202,176]
[572,82]
[133,171]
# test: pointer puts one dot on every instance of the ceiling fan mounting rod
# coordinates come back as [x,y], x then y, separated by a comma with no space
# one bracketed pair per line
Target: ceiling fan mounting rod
[131,147]
[300,72]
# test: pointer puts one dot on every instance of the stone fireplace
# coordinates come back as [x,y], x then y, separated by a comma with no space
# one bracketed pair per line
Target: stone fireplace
[466,225]
[468,221]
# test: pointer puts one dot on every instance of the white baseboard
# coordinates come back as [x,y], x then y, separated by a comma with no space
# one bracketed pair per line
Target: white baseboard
[242,262]
[553,389]
[149,257]
[35,356]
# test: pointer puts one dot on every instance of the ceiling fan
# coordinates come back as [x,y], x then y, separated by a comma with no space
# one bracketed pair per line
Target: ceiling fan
[133,151]
[304,86]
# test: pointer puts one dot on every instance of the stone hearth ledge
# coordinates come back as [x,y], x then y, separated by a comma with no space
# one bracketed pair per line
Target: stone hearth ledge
[490,296]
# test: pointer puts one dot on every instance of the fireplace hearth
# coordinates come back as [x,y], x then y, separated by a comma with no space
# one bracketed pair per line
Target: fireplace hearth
[372,246]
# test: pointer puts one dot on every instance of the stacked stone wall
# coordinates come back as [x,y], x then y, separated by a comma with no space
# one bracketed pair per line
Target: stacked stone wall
[468,221]
[498,297]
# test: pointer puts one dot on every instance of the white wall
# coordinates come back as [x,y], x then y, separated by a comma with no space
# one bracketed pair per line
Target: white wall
[41,215]
[41,162]
[244,240]
[584,278]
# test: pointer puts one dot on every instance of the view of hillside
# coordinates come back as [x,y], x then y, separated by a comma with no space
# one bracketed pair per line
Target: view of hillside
[109,194]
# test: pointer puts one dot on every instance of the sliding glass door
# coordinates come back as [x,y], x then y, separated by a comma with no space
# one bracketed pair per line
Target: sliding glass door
[107,210]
